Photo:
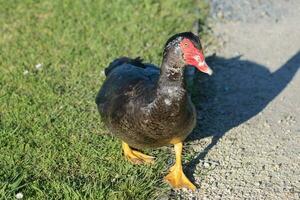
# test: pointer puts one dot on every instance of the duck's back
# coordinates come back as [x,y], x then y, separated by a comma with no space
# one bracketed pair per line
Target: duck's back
[129,84]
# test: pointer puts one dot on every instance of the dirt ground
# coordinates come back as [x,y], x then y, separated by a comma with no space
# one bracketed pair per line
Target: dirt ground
[251,105]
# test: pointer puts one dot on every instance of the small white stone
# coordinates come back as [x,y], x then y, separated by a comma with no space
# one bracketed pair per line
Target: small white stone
[25,72]
[39,66]
[206,165]
[168,102]
[220,15]
[19,195]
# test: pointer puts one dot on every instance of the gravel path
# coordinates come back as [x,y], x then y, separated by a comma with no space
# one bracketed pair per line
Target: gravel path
[252,105]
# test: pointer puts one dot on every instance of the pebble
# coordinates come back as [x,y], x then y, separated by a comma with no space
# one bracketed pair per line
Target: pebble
[206,165]
[102,73]
[220,15]
[39,66]
[19,195]
[25,72]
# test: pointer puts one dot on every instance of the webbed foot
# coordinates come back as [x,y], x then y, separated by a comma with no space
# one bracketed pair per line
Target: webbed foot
[136,157]
[176,178]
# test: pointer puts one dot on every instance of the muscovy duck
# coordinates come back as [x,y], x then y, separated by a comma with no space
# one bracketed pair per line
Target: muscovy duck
[145,106]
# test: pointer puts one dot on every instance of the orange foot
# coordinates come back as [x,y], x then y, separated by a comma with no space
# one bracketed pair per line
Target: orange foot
[177,179]
[136,157]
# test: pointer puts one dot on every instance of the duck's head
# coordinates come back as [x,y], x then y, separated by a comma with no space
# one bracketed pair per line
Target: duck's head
[184,49]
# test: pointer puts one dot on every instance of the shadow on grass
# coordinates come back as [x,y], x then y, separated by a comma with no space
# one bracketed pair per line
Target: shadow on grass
[237,91]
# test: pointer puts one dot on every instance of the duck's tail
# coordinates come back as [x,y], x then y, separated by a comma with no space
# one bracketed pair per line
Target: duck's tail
[122,60]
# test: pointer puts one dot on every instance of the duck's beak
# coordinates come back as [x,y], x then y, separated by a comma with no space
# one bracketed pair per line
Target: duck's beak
[195,57]
[201,64]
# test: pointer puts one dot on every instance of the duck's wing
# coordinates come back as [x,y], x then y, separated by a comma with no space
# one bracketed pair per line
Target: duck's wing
[128,81]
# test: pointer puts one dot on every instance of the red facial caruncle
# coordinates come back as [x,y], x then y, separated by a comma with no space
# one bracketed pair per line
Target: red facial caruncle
[194,56]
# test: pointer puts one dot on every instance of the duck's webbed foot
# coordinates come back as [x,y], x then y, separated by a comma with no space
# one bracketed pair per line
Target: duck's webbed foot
[136,157]
[176,178]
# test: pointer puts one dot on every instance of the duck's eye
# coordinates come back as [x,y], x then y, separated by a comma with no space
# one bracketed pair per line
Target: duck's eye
[185,44]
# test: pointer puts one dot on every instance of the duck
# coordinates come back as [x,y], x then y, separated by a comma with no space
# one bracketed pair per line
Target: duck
[150,107]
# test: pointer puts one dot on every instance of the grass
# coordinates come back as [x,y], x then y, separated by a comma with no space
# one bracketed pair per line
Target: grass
[52,142]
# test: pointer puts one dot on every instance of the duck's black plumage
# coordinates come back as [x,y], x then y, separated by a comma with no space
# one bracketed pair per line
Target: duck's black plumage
[146,106]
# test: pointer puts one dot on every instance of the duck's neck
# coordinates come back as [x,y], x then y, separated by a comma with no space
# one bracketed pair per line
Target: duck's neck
[171,84]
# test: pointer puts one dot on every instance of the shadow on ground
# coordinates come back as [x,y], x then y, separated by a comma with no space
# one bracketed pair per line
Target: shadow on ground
[238,90]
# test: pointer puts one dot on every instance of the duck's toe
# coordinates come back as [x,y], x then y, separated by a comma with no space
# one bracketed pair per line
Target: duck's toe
[177,179]
[135,156]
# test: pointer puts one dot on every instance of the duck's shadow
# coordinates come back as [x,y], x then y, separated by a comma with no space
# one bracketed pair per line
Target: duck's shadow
[237,91]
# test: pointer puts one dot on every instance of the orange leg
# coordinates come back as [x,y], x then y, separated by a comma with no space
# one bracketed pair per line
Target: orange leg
[176,178]
[134,156]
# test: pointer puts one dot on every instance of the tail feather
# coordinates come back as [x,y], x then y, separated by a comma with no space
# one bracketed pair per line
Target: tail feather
[122,60]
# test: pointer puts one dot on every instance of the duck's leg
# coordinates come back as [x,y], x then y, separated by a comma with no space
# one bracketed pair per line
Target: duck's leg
[134,156]
[176,178]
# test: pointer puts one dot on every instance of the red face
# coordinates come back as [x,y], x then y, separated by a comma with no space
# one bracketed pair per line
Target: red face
[194,56]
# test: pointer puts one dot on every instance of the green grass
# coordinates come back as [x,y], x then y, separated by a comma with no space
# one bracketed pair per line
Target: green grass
[52,142]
